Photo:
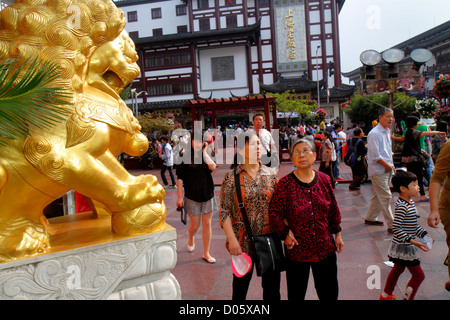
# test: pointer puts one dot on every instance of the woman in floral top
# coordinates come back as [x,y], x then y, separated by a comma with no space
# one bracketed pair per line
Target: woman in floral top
[304,212]
[257,185]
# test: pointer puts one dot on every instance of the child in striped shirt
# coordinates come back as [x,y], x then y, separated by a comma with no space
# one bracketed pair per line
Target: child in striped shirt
[403,250]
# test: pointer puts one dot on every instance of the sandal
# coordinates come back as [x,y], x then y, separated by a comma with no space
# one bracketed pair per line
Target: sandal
[210,260]
[191,248]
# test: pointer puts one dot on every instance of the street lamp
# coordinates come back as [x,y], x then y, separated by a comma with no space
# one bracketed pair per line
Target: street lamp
[134,103]
[317,69]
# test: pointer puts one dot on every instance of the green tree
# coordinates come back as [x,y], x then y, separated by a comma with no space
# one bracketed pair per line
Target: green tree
[158,125]
[366,108]
[126,93]
[285,103]
[26,102]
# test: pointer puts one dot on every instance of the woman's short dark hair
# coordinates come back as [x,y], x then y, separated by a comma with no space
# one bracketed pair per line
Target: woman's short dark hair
[411,121]
[402,178]
[247,135]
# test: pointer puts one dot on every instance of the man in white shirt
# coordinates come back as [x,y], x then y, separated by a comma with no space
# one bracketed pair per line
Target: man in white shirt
[269,151]
[338,140]
[167,156]
[381,168]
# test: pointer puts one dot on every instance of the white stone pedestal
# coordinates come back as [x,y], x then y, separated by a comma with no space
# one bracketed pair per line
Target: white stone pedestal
[87,261]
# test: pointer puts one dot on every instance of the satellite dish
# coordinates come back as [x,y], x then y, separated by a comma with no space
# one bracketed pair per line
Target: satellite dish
[370,58]
[393,56]
[421,56]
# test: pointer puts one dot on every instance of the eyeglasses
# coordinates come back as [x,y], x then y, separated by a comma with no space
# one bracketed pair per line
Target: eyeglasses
[301,152]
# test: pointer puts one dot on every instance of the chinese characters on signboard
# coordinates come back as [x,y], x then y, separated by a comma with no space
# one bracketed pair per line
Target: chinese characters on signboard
[290,27]
[290,44]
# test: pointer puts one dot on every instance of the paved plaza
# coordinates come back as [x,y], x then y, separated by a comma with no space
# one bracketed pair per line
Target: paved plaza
[361,269]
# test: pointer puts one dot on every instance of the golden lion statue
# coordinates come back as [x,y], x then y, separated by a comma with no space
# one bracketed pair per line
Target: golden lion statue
[97,59]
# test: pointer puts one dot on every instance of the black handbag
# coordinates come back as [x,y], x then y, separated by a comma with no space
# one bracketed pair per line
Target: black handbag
[183,215]
[268,248]
[422,158]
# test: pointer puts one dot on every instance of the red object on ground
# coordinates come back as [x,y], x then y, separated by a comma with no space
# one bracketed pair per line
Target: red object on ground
[81,203]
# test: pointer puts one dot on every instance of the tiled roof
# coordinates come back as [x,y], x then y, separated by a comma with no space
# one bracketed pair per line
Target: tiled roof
[162,105]
[248,101]
[251,31]
[299,84]
[337,93]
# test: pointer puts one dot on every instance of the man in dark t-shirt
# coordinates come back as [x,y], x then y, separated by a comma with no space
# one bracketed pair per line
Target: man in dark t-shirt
[359,169]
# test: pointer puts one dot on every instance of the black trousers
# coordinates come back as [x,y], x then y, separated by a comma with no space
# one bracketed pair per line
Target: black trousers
[270,284]
[325,278]
[172,176]
[417,169]
[328,171]
[358,173]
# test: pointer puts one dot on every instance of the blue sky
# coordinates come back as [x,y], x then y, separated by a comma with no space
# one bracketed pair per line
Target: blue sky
[381,24]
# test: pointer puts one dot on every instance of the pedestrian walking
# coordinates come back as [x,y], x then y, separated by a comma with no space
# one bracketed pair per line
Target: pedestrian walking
[424,147]
[403,250]
[269,151]
[380,169]
[412,153]
[167,157]
[326,152]
[304,212]
[440,201]
[339,138]
[199,201]
[438,140]
[359,168]
[257,185]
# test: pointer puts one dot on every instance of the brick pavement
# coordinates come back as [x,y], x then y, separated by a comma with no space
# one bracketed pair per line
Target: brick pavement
[364,250]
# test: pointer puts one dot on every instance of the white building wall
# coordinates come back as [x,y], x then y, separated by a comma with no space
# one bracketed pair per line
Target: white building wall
[240,69]
[169,20]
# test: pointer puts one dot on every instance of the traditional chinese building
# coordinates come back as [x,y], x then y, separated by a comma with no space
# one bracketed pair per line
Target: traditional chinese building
[214,49]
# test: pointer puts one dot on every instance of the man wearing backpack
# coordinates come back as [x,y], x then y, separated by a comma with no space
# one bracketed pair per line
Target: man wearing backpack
[358,165]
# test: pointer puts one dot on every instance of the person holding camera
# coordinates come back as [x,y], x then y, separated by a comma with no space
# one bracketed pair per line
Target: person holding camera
[199,201]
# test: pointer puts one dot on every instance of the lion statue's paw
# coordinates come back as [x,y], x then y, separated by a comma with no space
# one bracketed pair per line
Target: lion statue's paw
[22,237]
[147,218]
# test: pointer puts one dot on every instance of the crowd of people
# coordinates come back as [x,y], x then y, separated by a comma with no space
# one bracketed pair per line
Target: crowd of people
[301,208]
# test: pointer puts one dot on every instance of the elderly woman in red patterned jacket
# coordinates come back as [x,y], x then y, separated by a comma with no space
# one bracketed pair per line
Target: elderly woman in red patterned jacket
[304,212]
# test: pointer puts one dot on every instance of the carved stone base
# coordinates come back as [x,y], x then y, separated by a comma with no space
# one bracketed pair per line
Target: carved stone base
[87,261]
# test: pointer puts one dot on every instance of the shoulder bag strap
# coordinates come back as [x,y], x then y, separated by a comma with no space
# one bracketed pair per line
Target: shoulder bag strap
[241,204]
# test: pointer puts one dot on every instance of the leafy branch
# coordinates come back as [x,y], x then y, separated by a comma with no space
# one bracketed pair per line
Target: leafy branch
[27,103]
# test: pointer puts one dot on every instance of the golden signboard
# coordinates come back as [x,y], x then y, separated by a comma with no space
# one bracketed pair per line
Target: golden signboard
[290,44]
[290,38]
